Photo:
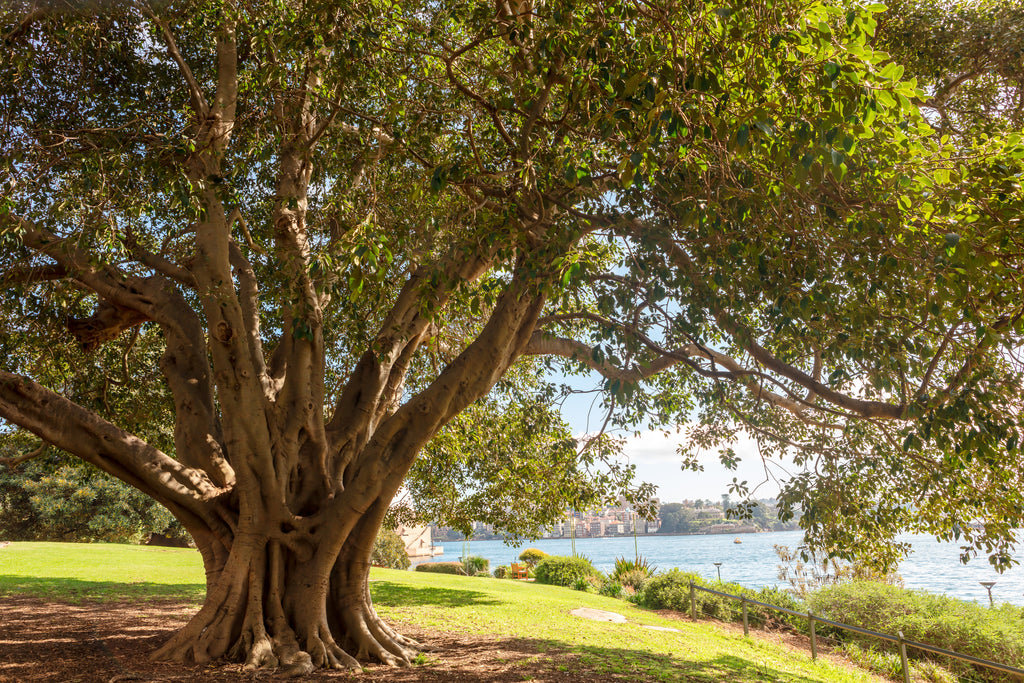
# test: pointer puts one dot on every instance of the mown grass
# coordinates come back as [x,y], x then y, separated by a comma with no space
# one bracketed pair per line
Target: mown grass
[698,652]
[73,572]
[535,613]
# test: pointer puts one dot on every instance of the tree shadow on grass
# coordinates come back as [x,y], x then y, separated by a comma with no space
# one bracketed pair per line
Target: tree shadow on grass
[643,665]
[398,595]
[74,590]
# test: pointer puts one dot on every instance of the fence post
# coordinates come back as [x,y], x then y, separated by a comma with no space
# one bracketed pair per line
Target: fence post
[903,657]
[693,602]
[814,636]
[746,627]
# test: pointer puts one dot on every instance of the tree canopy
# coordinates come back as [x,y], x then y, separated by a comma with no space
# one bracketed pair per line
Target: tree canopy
[257,256]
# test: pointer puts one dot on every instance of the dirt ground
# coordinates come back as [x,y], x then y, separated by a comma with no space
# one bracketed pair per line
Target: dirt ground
[110,642]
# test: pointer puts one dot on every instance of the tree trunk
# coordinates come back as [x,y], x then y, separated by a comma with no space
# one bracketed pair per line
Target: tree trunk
[294,605]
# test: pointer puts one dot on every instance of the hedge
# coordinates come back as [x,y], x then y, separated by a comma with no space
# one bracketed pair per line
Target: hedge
[559,570]
[442,568]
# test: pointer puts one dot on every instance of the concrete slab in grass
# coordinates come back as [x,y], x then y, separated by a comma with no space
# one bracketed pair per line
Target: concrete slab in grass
[598,615]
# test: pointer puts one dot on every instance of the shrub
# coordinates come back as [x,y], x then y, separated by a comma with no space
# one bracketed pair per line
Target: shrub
[966,627]
[531,556]
[671,590]
[636,579]
[559,570]
[889,664]
[442,567]
[589,584]
[613,589]
[502,571]
[389,551]
[635,566]
[475,565]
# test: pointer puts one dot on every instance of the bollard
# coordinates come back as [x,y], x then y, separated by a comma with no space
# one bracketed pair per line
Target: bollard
[814,636]
[693,602]
[746,626]
[903,657]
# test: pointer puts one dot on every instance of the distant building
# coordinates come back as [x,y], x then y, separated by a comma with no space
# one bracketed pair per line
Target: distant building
[419,543]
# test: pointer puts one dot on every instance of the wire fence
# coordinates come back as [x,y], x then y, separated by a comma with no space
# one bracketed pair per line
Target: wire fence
[813,621]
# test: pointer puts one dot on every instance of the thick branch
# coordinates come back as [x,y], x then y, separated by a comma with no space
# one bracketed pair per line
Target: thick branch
[545,344]
[82,433]
[25,275]
[383,463]
[127,301]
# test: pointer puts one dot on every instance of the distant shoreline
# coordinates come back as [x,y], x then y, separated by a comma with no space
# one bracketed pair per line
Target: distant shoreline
[639,535]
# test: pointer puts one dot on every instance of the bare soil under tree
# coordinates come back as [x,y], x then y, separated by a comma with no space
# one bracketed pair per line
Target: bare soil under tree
[110,642]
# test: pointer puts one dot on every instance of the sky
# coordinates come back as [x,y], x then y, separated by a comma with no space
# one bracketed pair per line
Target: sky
[657,459]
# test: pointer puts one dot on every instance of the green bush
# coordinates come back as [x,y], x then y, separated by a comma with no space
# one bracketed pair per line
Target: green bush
[613,589]
[502,571]
[994,634]
[671,590]
[477,565]
[889,664]
[559,570]
[442,568]
[531,556]
[389,551]
[639,565]
[636,579]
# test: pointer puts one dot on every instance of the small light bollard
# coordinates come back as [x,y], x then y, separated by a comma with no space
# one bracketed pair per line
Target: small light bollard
[718,566]
[988,586]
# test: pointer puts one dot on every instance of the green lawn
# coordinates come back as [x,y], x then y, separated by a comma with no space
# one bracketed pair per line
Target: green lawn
[101,571]
[437,602]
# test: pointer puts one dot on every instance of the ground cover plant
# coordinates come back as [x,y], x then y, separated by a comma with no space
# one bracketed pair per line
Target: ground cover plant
[265,262]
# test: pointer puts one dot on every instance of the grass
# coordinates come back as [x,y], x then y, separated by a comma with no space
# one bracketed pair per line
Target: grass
[98,572]
[699,652]
[536,613]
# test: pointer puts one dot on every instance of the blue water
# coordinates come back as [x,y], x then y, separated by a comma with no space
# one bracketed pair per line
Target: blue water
[932,566]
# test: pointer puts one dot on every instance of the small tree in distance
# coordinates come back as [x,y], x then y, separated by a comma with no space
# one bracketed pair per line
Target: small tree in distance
[389,550]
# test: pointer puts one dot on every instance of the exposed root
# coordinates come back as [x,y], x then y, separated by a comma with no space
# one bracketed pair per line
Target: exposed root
[301,664]
[261,655]
[271,610]
[327,655]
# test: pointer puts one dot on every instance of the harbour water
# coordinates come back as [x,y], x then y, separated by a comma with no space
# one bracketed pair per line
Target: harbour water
[932,566]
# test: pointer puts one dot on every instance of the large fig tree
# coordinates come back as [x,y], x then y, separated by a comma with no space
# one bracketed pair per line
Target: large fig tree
[343,221]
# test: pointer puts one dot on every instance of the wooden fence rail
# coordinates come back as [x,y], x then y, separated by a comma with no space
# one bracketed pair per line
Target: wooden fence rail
[814,619]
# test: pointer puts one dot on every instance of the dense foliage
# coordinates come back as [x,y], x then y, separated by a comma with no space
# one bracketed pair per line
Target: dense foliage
[993,634]
[53,498]
[531,556]
[389,550]
[561,570]
[671,590]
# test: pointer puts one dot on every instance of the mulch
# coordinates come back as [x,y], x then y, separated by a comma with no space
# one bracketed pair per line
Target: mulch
[111,642]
